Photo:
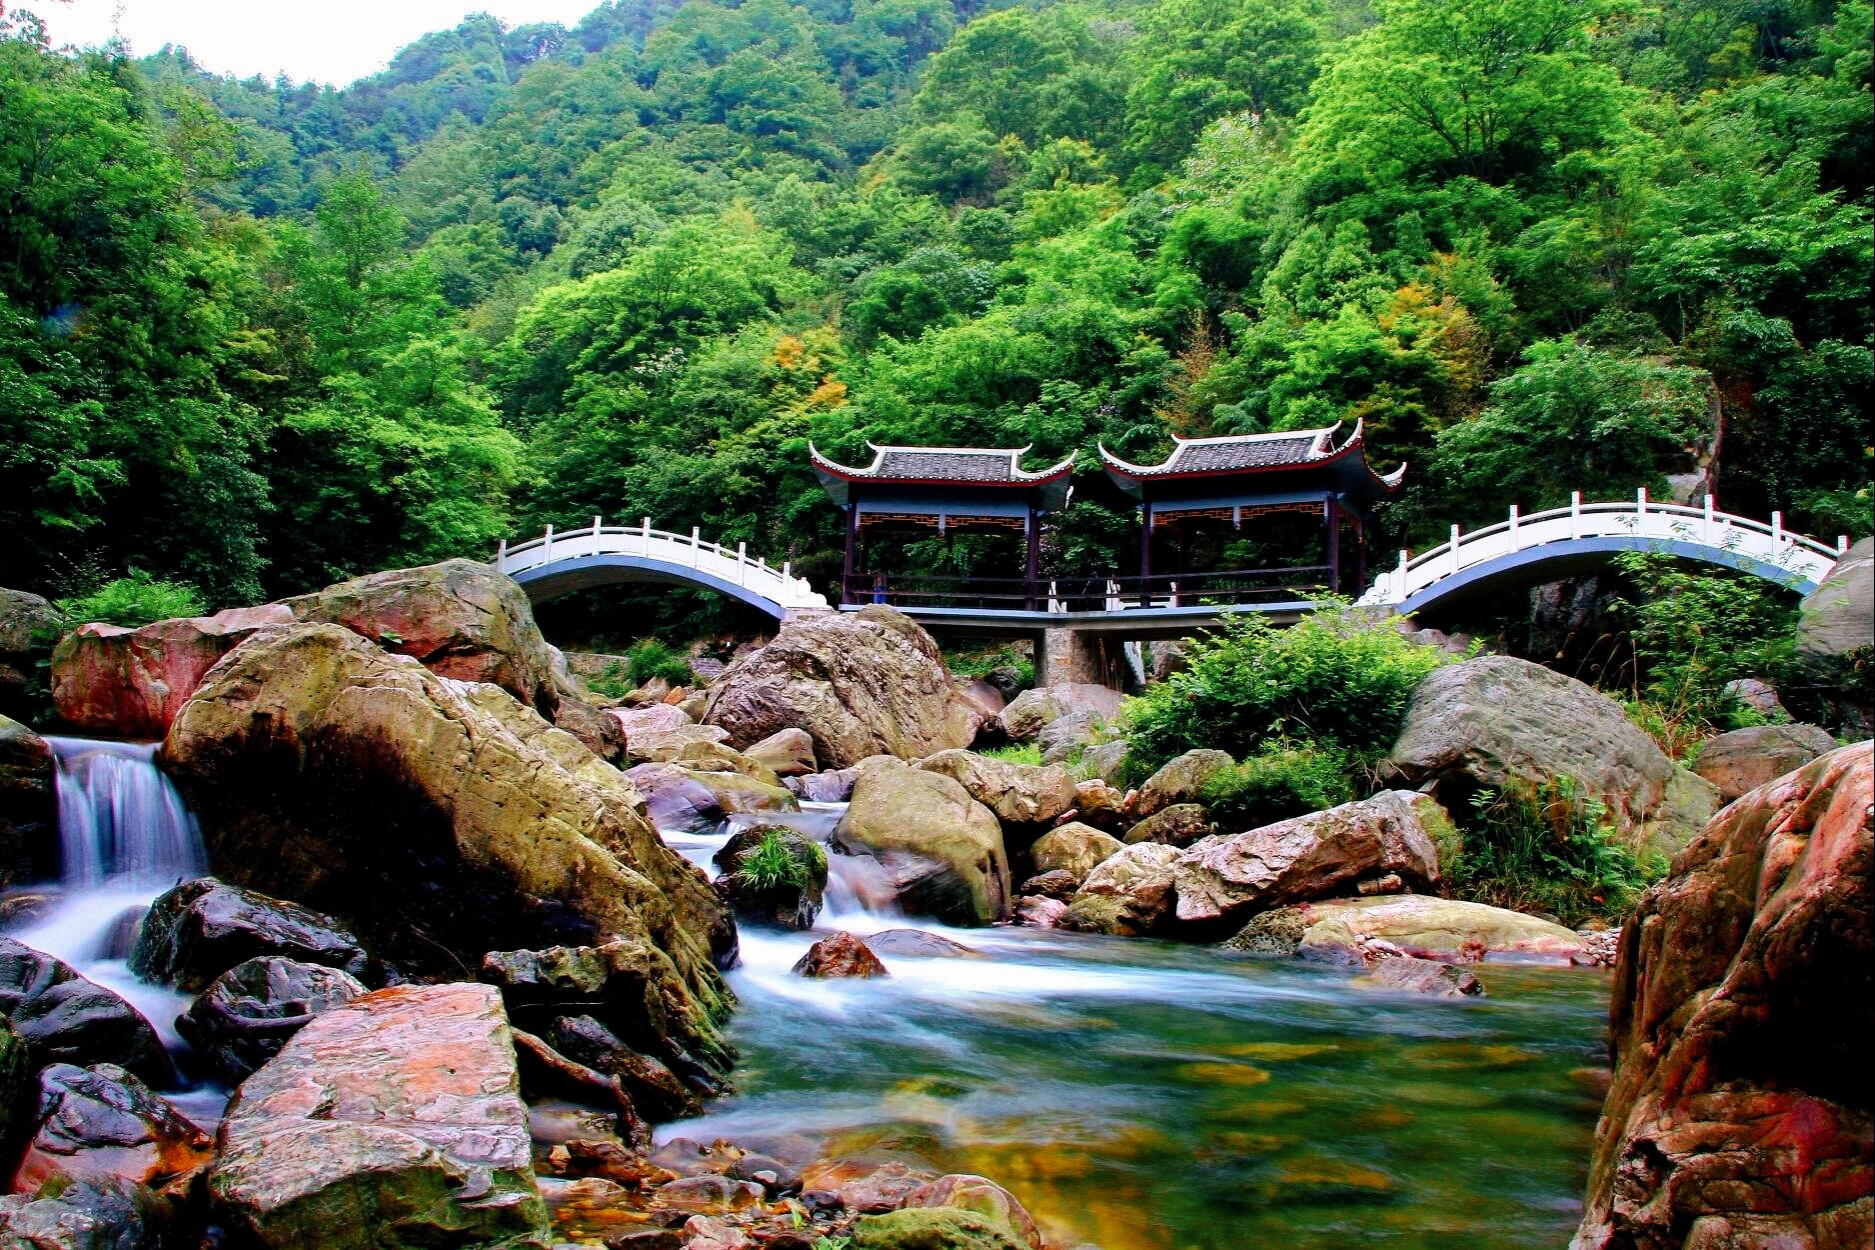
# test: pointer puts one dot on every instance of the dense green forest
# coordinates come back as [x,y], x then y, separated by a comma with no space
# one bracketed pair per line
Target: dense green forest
[255,336]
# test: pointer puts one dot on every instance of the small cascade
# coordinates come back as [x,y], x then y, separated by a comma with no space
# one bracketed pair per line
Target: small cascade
[125,836]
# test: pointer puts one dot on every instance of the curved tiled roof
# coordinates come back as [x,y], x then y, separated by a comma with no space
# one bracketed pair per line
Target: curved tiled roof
[1251,453]
[976,466]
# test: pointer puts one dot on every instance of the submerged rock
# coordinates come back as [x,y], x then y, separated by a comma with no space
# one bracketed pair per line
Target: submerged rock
[392,1121]
[64,1018]
[1744,998]
[100,1123]
[459,619]
[130,683]
[917,944]
[326,771]
[933,1228]
[202,928]
[1741,761]
[1411,975]
[1129,894]
[860,684]
[247,1013]
[945,849]
[1230,876]
[1499,722]
[1340,930]
[981,1196]
[840,955]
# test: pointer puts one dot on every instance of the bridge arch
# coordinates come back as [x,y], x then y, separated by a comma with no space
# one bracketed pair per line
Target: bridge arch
[602,555]
[1582,537]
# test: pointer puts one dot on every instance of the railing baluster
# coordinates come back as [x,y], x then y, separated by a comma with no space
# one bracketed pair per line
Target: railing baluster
[1640,502]
[501,556]
[546,546]
[1575,514]
[1709,530]
[696,547]
[1777,529]
[1455,549]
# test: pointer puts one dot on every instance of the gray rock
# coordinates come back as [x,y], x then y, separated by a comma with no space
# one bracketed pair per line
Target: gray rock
[1741,761]
[29,629]
[202,928]
[1178,825]
[247,1014]
[1836,635]
[92,1215]
[1030,711]
[944,849]
[1230,877]
[65,1018]
[1019,794]
[1499,722]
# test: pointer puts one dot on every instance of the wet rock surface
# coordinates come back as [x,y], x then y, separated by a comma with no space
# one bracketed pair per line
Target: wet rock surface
[944,848]
[100,1123]
[1128,894]
[108,1214]
[788,893]
[29,815]
[63,1017]
[1744,994]
[840,955]
[392,1121]
[247,1013]
[202,928]
[859,684]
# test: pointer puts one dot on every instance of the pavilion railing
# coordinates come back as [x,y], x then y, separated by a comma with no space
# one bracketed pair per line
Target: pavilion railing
[1090,594]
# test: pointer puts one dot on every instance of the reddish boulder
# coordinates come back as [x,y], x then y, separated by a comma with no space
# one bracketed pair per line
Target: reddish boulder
[459,619]
[840,955]
[130,683]
[101,1122]
[1744,998]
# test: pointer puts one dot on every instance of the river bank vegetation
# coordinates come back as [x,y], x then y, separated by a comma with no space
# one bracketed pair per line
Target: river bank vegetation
[286,333]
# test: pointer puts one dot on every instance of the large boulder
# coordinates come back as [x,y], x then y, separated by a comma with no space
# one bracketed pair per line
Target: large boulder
[458,619]
[101,1122]
[860,684]
[1019,794]
[1180,780]
[1744,998]
[1228,877]
[357,782]
[1837,619]
[1033,710]
[248,1012]
[1741,761]
[65,1018]
[130,683]
[943,848]
[1129,894]
[29,809]
[29,629]
[392,1121]
[197,931]
[1345,931]
[1498,722]
[1075,849]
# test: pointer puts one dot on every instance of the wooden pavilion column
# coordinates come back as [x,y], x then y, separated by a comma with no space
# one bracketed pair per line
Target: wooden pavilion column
[1331,517]
[852,545]
[1033,567]
[1145,553]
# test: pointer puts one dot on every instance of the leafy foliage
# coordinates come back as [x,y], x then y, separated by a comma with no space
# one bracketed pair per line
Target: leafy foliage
[1283,779]
[257,335]
[650,660]
[1551,849]
[131,601]
[1339,682]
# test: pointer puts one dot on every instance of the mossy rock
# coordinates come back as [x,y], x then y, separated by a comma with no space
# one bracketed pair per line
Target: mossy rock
[933,1228]
[16,1092]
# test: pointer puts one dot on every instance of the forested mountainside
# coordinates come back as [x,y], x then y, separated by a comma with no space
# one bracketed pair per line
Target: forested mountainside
[257,336]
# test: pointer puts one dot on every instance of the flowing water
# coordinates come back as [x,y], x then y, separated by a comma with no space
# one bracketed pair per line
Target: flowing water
[1143,1095]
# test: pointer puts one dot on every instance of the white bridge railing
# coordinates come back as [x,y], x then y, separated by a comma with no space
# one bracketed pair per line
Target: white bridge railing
[1806,559]
[679,551]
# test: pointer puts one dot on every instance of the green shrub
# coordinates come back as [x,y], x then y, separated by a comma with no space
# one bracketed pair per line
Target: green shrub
[1693,631]
[1339,679]
[1281,780]
[772,866]
[648,660]
[1015,753]
[614,681]
[982,662]
[1549,849]
[132,600]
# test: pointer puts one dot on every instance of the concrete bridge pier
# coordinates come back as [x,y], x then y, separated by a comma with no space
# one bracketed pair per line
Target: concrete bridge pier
[1090,657]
